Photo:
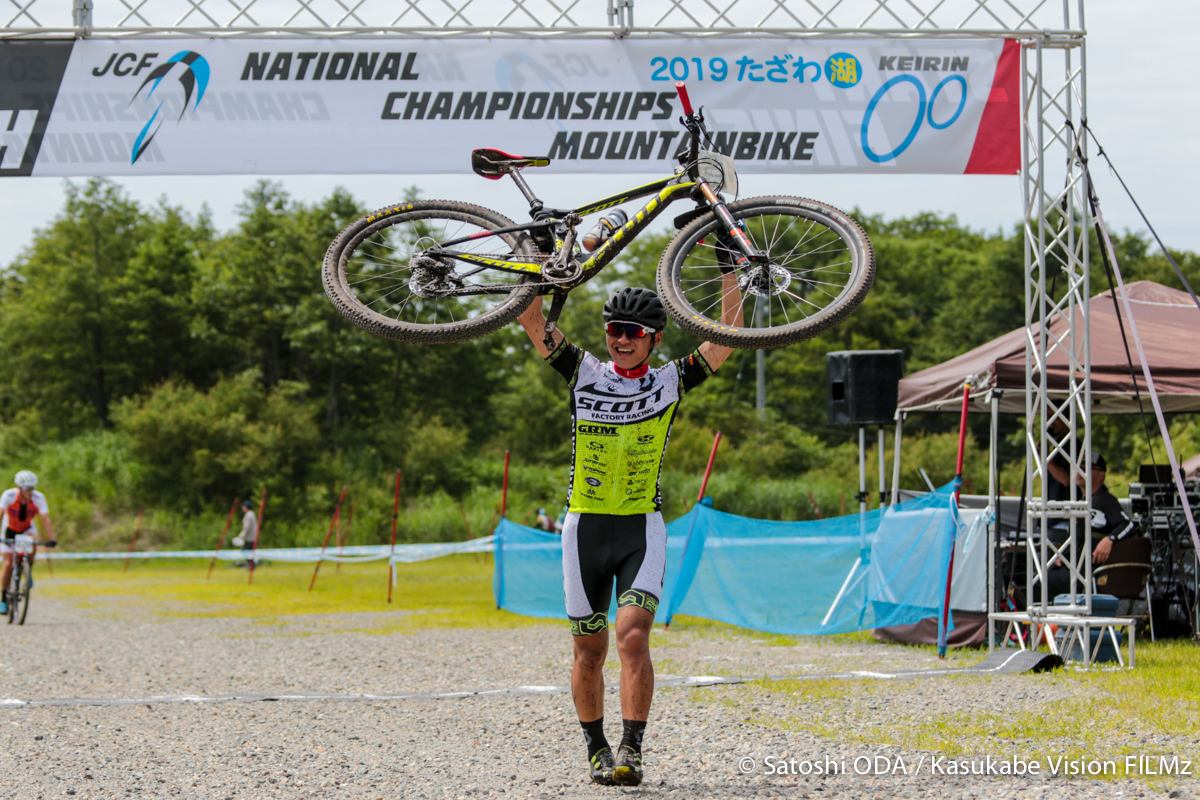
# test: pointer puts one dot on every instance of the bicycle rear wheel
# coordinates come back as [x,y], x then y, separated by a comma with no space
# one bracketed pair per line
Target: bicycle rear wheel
[819,268]
[380,274]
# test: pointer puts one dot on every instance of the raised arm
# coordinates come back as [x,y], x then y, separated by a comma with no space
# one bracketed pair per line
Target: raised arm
[534,322]
[731,314]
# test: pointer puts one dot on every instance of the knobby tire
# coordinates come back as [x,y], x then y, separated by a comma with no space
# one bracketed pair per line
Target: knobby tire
[820,269]
[372,272]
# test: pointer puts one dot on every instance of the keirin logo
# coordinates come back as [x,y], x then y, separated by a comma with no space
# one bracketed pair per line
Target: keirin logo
[193,78]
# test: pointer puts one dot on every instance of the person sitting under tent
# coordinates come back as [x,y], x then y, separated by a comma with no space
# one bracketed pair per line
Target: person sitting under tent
[1109,524]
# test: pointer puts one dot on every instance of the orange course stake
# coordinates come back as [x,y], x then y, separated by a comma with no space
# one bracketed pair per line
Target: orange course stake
[137,526]
[221,540]
[337,513]
[262,504]
[395,514]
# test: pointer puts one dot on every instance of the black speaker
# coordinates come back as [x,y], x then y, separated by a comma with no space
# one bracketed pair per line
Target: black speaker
[861,386]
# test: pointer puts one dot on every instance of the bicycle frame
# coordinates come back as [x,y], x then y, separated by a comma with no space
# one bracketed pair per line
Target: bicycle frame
[665,191]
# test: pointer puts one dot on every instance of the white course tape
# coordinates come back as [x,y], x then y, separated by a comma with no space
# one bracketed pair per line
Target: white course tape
[404,554]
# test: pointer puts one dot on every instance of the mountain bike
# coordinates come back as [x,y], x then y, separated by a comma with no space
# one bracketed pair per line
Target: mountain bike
[16,594]
[435,271]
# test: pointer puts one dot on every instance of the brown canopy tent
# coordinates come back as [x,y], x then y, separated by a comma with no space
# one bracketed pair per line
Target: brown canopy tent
[1168,323]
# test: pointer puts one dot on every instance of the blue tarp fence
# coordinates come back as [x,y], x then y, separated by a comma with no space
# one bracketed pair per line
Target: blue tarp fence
[851,573]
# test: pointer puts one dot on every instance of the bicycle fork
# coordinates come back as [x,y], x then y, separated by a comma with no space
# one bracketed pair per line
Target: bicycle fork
[747,253]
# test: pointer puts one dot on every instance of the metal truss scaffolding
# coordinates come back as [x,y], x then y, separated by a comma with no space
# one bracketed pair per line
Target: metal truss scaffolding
[1026,19]
[1056,216]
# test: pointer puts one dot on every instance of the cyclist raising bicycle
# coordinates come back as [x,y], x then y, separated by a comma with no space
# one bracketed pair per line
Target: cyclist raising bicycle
[21,506]
[621,417]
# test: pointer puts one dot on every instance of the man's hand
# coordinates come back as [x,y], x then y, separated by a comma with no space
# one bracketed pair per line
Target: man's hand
[1102,551]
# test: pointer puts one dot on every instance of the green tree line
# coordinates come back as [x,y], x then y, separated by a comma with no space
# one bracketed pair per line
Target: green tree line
[152,361]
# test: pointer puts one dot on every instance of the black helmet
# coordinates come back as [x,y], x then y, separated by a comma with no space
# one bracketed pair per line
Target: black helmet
[635,304]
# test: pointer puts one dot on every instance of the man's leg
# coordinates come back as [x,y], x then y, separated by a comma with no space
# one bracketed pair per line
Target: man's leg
[5,576]
[587,676]
[639,586]
[637,671]
[588,589]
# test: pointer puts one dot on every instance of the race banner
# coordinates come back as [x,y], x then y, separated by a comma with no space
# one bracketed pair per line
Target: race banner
[409,106]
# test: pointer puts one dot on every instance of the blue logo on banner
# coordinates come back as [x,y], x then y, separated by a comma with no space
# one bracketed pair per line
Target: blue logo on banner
[843,70]
[193,78]
[924,112]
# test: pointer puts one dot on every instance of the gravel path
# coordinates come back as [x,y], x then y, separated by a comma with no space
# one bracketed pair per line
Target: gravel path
[497,745]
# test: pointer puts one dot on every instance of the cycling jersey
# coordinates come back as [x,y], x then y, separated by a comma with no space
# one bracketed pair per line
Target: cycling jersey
[620,428]
[18,514]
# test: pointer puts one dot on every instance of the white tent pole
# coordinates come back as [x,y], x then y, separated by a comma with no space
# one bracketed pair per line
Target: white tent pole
[862,469]
[882,471]
[994,525]
[896,457]
[1153,392]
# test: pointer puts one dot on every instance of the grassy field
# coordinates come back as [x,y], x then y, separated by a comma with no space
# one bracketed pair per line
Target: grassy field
[455,591]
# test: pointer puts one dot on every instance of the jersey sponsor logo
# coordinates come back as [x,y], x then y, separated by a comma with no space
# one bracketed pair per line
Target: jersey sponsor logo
[593,481]
[608,390]
[595,446]
[597,430]
[620,406]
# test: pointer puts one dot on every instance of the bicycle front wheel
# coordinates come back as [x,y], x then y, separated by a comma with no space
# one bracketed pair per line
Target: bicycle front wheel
[23,589]
[819,267]
[387,274]
[14,596]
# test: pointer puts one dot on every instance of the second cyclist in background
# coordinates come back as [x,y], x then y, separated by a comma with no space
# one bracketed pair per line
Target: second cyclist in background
[21,507]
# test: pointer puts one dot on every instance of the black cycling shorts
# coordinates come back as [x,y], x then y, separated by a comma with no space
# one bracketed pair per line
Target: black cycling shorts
[601,548]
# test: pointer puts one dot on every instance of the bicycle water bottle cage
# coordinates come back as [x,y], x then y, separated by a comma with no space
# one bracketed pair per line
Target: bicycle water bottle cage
[495,164]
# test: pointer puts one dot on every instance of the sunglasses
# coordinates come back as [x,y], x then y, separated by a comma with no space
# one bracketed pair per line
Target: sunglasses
[633,330]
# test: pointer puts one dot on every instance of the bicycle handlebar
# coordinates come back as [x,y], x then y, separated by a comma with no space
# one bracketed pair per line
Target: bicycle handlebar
[683,97]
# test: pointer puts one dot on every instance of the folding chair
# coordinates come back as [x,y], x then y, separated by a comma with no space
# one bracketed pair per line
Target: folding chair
[1126,573]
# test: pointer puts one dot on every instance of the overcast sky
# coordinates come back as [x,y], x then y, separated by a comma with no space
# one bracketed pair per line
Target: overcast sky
[1142,103]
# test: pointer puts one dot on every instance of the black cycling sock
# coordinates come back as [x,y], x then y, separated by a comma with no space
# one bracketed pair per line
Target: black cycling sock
[594,733]
[632,737]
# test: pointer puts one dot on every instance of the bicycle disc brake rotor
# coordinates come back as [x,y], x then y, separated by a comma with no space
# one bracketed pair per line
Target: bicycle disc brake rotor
[764,280]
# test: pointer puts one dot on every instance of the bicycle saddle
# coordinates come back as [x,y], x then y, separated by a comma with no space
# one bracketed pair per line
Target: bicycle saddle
[495,164]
